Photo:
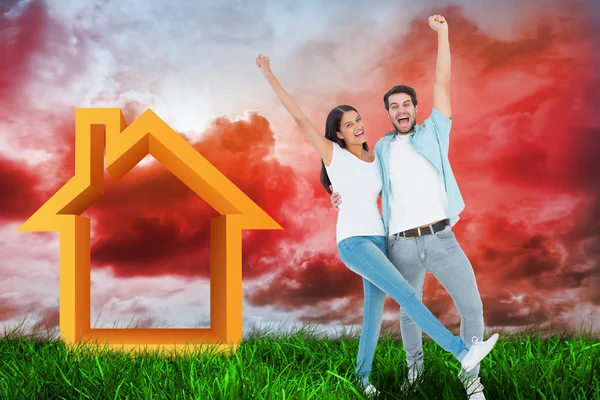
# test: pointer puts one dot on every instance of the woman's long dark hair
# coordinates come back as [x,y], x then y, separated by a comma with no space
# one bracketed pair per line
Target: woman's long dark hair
[332,127]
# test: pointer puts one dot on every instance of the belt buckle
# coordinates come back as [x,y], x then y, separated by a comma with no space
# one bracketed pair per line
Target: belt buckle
[419,231]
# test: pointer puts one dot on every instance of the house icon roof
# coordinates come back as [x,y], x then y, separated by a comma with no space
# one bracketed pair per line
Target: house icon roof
[100,129]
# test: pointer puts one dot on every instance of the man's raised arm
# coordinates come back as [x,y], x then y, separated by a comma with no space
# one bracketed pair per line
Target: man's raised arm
[441,88]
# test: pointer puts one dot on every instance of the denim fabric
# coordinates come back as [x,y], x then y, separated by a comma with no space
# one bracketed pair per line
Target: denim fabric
[441,255]
[367,256]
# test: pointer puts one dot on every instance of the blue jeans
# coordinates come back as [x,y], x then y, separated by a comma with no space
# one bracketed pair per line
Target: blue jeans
[367,256]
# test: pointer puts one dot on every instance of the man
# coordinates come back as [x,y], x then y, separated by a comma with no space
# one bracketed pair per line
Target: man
[420,204]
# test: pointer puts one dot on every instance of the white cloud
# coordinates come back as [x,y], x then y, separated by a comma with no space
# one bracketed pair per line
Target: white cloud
[29,271]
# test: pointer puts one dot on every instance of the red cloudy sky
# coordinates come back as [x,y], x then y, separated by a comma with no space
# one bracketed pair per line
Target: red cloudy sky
[525,98]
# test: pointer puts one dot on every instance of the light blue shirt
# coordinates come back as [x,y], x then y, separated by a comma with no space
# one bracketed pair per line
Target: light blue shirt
[432,141]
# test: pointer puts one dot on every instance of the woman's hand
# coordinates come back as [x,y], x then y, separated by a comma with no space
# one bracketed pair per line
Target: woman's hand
[263,64]
[323,146]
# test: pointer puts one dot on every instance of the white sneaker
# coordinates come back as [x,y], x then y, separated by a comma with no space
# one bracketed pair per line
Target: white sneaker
[413,375]
[474,389]
[370,390]
[478,351]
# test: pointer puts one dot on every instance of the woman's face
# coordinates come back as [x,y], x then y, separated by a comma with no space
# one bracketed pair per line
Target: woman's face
[352,128]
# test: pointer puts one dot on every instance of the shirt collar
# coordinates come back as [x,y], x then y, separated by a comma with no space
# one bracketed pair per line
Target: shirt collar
[392,133]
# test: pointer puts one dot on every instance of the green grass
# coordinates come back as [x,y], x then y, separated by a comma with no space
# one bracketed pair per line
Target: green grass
[532,364]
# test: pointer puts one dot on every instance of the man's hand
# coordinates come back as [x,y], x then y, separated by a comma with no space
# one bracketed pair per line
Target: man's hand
[336,199]
[263,64]
[438,23]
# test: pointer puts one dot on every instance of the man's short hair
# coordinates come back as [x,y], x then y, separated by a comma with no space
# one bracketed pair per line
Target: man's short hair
[400,89]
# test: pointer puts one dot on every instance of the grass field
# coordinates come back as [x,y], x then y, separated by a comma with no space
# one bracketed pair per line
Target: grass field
[532,364]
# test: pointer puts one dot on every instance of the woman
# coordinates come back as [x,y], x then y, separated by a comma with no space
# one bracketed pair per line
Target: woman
[355,174]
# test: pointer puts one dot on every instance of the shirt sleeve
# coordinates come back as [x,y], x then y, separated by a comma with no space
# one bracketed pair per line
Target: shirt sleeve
[440,123]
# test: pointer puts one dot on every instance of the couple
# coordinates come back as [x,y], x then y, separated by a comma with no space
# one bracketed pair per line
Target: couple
[420,204]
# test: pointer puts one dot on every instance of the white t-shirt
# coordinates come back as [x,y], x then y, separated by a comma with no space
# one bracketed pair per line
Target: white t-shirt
[359,183]
[417,193]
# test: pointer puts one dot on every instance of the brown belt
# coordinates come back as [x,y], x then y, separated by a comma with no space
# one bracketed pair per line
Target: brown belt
[426,230]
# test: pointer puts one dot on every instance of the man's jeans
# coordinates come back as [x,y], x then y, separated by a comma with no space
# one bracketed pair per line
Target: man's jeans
[367,256]
[441,255]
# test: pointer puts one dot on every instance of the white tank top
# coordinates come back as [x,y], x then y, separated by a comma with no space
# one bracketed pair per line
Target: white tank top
[359,183]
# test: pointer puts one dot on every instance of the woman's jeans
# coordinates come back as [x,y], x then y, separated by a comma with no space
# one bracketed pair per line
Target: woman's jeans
[367,256]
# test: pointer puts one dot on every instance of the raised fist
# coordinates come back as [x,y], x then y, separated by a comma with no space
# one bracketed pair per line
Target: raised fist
[263,63]
[438,23]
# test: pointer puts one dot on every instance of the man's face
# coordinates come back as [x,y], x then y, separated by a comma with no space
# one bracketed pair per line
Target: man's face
[402,112]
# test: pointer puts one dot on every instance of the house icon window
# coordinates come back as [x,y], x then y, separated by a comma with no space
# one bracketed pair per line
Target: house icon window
[100,129]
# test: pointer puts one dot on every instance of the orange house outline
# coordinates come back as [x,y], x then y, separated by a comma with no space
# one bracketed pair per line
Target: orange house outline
[100,129]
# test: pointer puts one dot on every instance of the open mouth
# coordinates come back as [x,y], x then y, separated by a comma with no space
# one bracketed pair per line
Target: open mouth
[360,134]
[403,121]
